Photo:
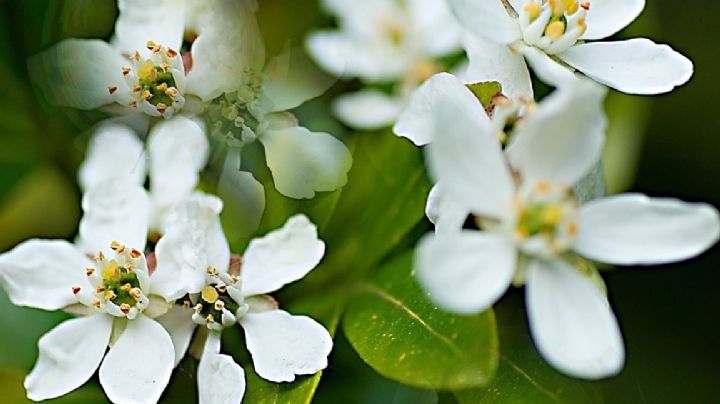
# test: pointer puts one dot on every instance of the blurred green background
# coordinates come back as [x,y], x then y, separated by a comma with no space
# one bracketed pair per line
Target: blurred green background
[664,146]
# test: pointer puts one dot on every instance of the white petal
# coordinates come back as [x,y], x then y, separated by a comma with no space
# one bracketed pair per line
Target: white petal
[114,211]
[635,66]
[281,257]
[220,379]
[367,109]
[304,162]
[571,321]
[139,21]
[488,19]
[443,212]
[467,159]
[139,365]
[490,61]
[547,69]
[465,272]
[178,323]
[436,28]
[633,229]
[422,120]
[114,152]
[243,194]
[293,79]
[563,138]
[229,42]
[42,273]
[607,17]
[69,355]
[283,346]
[178,151]
[77,73]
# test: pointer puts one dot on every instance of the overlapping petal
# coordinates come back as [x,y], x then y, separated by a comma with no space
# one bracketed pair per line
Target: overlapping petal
[114,152]
[368,109]
[488,19]
[491,61]
[607,17]
[220,380]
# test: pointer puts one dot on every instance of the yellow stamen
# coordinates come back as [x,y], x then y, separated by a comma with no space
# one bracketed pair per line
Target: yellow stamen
[210,294]
[111,271]
[555,30]
[532,10]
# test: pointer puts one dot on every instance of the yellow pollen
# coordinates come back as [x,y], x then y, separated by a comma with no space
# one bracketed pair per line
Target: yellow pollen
[126,71]
[125,308]
[572,7]
[115,246]
[543,187]
[147,70]
[136,293]
[162,87]
[100,289]
[523,232]
[572,229]
[585,5]
[111,271]
[110,295]
[136,88]
[555,30]
[126,288]
[146,95]
[533,10]
[210,294]
[210,318]
[171,53]
[212,271]
[171,92]
[551,215]
[89,271]
[161,107]
[96,303]
[132,104]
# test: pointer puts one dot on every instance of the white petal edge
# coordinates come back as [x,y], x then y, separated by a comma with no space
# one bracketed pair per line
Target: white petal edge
[139,21]
[547,69]
[571,321]
[488,19]
[443,212]
[178,324]
[607,17]
[114,152]
[220,380]
[633,229]
[465,272]
[367,109]
[490,61]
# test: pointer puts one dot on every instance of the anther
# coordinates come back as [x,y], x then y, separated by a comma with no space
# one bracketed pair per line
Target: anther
[135,253]
[161,107]
[212,271]
[146,95]
[89,271]
[136,88]
[117,247]
[126,288]
[137,56]
[135,293]
[555,30]
[96,303]
[210,319]
[219,305]
[585,5]
[162,87]
[198,308]
[75,290]
[126,71]
[221,287]
[186,304]
[110,295]
[112,89]
[100,289]
[125,308]
[171,53]
[132,104]
[171,92]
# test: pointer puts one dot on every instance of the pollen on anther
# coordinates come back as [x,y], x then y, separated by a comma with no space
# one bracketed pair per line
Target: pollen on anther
[210,319]
[162,87]
[187,304]
[110,295]
[585,5]
[171,53]
[126,71]
[135,293]
[136,88]
[125,308]
[135,253]
[115,246]
[112,89]
[126,288]
[146,95]
[75,290]
[100,289]
[161,107]
[89,271]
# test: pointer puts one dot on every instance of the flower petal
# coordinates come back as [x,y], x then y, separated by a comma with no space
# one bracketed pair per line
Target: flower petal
[547,69]
[607,17]
[114,152]
[421,121]
[281,257]
[69,356]
[178,151]
[139,21]
[304,162]
[114,211]
[635,66]
[490,61]
[465,272]
[138,367]
[633,229]
[367,109]
[77,73]
[283,346]
[293,79]
[443,212]
[178,323]
[468,161]
[563,138]
[220,379]
[42,273]
[571,321]
[488,19]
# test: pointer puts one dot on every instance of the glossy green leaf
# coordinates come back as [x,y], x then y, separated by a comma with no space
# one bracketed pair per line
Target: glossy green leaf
[485,91]
[397,331]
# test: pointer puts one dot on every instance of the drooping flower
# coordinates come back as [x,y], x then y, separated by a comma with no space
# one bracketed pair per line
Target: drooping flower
[145,66]
[551,35]
[533,232]
[194,253]
[384,41]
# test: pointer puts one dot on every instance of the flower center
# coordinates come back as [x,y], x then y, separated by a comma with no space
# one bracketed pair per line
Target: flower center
[237,115]
[553,25]
[221,303]
[118,283]
[154,83]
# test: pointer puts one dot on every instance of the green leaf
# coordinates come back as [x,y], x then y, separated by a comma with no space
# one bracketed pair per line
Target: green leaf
[485,91]
[397,331]
[13,392]
[523,376]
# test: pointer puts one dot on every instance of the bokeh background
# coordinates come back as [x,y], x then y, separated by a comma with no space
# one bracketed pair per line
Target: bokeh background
[664,146]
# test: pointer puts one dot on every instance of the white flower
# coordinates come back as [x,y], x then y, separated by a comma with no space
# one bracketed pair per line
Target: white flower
[382,41]
[114,296]
[533,231]
[144,67]
[282,346]
[551,35]
[177,150]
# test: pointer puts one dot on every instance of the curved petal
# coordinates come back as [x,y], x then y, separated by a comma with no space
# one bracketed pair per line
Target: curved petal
[421,121]
[293,79]
[178,323]
[490,61]
[114,211]
[633,229]
[178,151]
[138,367]
[69,356]
[304,162]
[547,69]
[437,29]
[244,197]
[283,346]
[571,321]
[114,152]
[443,212]
[42,273]
[607,17]
[466,158]
[220,380]
[635,66]
[465,272]
[281,257]
[563,138]
[77,73]
[367,109]
[139,21]
[488,19]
